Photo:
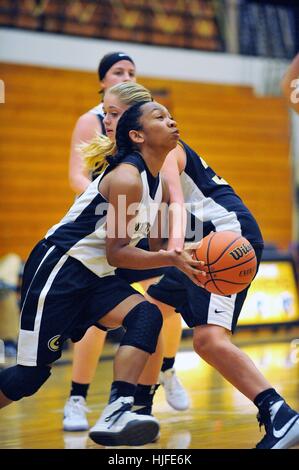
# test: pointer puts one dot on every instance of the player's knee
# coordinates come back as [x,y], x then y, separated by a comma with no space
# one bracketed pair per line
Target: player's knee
[143,325]
[200,347]
[208,339]
[204,340]
[22,381]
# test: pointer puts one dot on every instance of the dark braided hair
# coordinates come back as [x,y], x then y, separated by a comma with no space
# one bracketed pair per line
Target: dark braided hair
[129,120]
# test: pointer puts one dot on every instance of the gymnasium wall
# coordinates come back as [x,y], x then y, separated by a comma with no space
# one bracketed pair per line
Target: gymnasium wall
[74,53]
[243,137]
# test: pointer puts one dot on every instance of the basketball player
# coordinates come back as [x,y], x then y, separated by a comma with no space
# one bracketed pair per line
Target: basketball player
[115,67]
[70,275]
[290,84]
[116,100]
[215,206]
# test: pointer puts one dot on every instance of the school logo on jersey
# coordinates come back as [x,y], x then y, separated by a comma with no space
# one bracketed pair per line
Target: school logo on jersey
[53,343]
[143,228]
[240,251]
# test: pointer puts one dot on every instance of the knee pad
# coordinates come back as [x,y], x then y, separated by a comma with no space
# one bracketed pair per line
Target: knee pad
[143,325]
[22,381]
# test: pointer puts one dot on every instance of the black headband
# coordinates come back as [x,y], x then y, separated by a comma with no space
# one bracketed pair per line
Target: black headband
[109,60]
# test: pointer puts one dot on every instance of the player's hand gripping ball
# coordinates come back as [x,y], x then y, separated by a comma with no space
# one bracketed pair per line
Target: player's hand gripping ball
[230,262]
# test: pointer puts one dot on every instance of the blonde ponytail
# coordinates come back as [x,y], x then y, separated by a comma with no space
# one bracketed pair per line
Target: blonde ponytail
[96,152]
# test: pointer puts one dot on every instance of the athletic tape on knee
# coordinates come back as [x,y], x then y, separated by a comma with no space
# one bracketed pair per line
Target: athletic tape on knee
[22,381]
[143,324]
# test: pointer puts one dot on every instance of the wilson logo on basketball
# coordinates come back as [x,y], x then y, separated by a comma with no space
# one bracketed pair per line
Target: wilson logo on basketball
[240,251]
[230,262]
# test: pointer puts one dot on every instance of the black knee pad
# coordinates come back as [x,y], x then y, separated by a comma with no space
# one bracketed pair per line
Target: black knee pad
[22,381]
[143,325]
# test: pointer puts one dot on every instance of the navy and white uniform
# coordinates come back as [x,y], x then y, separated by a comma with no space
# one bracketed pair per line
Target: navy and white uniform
[68,284]
[214,206]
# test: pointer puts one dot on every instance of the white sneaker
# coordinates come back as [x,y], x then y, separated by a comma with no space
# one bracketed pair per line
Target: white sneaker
[118,426]
[175,393]
[75,414]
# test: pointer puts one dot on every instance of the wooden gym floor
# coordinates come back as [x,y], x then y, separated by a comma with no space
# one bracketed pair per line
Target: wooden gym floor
[219,416]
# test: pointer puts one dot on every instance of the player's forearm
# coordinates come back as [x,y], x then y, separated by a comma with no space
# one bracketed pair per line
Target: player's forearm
[177,228]
[129,257]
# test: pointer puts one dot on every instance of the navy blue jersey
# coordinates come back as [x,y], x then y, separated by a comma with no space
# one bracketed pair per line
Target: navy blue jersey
[212,203]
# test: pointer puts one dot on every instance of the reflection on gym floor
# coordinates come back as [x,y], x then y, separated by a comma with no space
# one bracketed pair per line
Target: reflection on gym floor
[219,417]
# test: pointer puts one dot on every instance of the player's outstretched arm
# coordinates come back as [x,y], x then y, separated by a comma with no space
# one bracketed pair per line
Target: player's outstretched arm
[159,233]
[170,171]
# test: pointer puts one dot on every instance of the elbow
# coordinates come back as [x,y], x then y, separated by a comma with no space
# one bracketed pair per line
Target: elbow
[117,254]
[73,182]
[73,185]
[112,258]
[77,184]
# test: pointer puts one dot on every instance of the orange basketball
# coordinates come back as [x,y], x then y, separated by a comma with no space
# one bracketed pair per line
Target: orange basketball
[230,262]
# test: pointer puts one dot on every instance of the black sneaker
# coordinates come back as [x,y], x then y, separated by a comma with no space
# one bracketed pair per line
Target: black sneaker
[281,425]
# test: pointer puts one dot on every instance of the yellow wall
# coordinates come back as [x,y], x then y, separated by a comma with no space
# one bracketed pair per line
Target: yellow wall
[244,138]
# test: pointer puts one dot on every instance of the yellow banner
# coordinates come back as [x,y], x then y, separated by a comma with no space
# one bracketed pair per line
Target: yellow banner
[273,295]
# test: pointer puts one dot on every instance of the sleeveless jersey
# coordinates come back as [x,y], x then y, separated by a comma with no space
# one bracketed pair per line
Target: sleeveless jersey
[98,111]
[82,231]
